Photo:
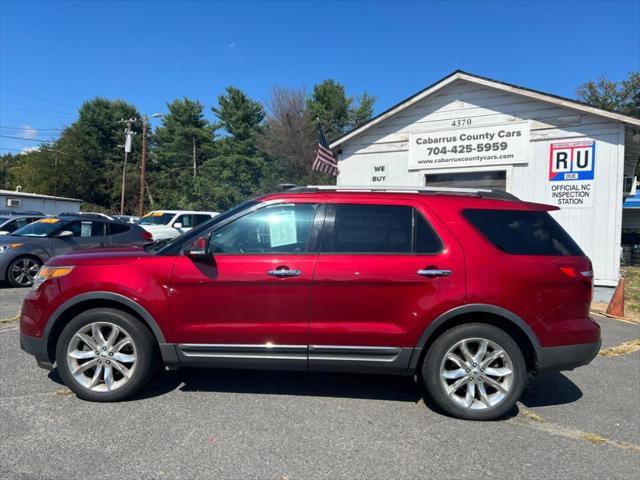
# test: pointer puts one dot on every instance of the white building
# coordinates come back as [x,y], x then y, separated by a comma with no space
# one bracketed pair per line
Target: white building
[50,205]
[471,131]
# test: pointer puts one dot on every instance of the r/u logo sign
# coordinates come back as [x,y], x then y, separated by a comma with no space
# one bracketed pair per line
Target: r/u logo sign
[572,161]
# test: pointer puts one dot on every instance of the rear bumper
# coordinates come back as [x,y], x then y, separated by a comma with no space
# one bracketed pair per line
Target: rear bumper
[38,348]
[568,357]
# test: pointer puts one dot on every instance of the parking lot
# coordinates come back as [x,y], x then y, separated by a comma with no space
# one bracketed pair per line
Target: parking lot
[275,425]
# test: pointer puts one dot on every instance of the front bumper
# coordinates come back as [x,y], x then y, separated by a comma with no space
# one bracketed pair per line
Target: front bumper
[568,357]
[38,348]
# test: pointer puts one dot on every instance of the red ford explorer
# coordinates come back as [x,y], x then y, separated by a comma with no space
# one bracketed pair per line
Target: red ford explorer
[472,290]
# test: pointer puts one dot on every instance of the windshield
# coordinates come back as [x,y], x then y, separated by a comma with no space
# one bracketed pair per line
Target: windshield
[156,218]
[41,228]
[171,246]
[4,219]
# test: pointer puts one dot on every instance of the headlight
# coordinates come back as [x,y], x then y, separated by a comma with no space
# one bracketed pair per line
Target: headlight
[47,273]
[9,246]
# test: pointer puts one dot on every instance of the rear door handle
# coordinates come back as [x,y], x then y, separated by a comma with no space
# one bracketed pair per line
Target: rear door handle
[284,273]
[433,272]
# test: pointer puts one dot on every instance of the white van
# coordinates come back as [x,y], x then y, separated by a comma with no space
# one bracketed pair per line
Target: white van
[164,224]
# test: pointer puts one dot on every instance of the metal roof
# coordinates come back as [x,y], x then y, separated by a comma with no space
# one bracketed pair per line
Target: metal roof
[13,193]
[491,83]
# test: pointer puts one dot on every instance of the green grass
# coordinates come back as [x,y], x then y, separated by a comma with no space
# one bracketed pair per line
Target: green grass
[632,291]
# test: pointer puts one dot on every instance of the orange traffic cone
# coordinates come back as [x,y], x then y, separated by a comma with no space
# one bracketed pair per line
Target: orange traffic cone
[616,305]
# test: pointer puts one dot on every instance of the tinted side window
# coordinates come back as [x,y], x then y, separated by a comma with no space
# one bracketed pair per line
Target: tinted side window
[427,240]
[272,229]
[116,228]
[369,229]
[11,226]
[522,232]
[198,219]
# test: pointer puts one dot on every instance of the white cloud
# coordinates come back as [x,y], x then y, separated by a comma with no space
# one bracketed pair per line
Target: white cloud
[30,149]
[28,132]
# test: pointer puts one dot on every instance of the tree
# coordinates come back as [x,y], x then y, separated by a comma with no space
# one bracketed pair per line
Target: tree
[623,97]
[336,112]
[236,168]
[289,135]
[180,146]
[241,118]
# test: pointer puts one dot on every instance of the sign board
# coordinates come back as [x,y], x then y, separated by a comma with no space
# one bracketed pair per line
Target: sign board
[572,173]
[470,146]
[379,173]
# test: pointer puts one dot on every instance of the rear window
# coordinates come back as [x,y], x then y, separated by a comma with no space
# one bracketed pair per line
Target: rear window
[520,232]
[116,228]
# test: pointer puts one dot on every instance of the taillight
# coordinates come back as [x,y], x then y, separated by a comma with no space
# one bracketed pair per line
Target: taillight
[147,236]
[584,275]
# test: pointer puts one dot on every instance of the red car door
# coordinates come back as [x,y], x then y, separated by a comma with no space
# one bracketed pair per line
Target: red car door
[249,302]
[386,268]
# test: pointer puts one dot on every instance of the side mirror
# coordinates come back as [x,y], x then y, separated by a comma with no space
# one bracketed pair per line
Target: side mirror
[4,232]
[198,250]
[65,234]
[177,225]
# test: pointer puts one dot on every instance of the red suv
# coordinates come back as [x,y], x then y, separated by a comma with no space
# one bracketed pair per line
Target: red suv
[472,290]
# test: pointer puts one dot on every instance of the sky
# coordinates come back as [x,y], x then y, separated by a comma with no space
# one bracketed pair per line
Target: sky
[54,55]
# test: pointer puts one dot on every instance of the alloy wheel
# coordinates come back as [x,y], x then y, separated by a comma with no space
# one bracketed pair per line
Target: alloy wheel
[24,270]
[101,357]
[477,373]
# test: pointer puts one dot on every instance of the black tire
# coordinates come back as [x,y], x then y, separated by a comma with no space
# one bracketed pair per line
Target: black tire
[32,264]
[145,351]
[434,358]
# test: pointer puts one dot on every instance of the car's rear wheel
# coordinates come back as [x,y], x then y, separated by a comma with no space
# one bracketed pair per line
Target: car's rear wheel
[475,371]
[22,271]
[105,355]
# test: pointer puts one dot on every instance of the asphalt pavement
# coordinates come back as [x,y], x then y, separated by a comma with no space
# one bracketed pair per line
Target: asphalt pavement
[280,425]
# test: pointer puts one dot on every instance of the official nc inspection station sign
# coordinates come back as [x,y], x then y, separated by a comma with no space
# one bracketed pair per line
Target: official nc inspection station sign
[470,146]
[572,173]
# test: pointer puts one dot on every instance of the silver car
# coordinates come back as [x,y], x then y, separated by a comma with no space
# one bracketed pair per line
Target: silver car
[11,223]
[24,251]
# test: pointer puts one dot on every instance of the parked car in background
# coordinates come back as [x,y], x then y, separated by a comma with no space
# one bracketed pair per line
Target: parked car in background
[24,251]
[164,224]
[127,218]
[9,213]
[9,224]
[473,291]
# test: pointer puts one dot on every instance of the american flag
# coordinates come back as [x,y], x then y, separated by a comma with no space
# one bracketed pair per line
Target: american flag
[324,162]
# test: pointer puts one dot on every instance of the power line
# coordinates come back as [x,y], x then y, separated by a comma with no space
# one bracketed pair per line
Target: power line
[39,112]
[35,97]
[29,139]
[36,107]
[35,128]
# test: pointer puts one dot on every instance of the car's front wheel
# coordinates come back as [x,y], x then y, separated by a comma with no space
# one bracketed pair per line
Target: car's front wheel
[105,355]
[475,372]
[22,271]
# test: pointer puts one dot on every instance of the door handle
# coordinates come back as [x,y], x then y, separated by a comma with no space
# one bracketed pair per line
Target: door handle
[434,272]
[104,244]
[284,273]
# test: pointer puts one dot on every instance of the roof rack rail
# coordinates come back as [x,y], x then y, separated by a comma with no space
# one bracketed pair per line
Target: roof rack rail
[479,192]
[95,215]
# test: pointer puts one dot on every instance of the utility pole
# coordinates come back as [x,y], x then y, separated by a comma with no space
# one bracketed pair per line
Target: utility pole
[143,162]
[127,150]
[195,164]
